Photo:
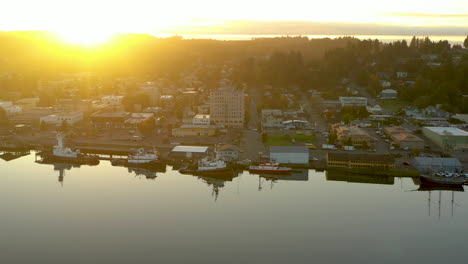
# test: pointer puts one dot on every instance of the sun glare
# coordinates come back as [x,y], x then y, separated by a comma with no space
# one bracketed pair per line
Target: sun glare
[84,37]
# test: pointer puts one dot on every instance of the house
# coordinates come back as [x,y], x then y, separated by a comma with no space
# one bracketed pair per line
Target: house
[448,138]
[376,109]
[388,94]
[429,165]
[189,152]
[385,83]
[289,154]
[401,75]
[227,152]
[367,161]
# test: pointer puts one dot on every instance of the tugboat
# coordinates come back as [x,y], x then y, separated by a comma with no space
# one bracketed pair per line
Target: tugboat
[209,167]
[141,158]
[270,168]
[64,154]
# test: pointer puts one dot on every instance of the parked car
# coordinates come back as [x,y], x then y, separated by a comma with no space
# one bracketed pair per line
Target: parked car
[406,163]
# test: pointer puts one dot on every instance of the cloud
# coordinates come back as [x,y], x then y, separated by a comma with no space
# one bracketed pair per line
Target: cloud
[427,15]
[254,27]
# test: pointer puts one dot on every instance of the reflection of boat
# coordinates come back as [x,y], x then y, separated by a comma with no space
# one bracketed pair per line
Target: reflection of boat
[143,172]
[141,158]
[9,156]
[442,180]
[209,167]
[269,168]
[61,153]
[429,186]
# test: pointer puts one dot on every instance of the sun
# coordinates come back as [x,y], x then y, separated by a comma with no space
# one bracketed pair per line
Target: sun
[85,37]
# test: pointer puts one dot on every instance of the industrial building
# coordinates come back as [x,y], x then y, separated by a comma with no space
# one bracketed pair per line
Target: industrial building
[195,130]
[403,138]
[448,138]
[189,152]
[428,164]
[289,155]
[350,160]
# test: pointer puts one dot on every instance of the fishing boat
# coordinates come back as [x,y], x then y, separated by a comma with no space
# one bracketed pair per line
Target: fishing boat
[140,158]
[270,168]
[68,155]
[207,167]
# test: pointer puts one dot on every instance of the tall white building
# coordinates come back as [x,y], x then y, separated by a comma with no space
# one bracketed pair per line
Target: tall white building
[227,107]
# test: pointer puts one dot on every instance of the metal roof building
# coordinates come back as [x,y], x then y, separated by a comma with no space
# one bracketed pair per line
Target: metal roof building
[448,138]
[289,155]
[189,151]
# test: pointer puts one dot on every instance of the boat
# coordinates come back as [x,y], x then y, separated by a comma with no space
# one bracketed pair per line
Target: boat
[68,155]
[442,180]
[141,158]
[208,167]
[270,168]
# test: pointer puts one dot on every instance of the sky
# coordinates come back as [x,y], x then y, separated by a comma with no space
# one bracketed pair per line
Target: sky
[95,18]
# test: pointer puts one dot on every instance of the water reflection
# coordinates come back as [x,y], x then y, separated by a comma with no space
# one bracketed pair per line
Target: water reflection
[296,175]
[148,174]
[359,178]
[12,155]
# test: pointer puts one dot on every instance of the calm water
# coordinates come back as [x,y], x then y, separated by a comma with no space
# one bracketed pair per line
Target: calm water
[106,214]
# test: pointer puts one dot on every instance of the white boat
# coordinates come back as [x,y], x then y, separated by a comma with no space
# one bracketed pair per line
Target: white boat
[207,164]
[142,156]
[60,151]
[270,168]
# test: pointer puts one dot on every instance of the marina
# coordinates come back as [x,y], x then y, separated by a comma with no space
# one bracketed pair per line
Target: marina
[308,209]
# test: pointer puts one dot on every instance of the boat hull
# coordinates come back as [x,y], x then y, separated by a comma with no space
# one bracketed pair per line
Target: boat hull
[442,180]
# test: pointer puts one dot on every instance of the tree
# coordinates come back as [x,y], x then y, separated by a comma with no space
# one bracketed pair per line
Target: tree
[465,43]
[346,118]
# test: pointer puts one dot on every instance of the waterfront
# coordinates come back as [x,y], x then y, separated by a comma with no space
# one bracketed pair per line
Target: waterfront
[101,214]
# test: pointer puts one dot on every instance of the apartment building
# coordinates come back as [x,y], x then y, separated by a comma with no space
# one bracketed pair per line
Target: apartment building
[227,107]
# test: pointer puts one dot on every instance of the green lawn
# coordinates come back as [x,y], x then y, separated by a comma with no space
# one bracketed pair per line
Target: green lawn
[392,104]
[284,140]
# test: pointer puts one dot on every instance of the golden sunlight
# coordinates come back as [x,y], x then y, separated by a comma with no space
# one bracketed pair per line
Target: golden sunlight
[85,37]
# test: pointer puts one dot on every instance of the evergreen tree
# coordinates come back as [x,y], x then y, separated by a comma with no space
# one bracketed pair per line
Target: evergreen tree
[465,43]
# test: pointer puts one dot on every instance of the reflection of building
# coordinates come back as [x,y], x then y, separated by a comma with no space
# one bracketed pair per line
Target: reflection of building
[351,160]
[448,138]
[227,107]
[359,178]
[9,156]
[289,155]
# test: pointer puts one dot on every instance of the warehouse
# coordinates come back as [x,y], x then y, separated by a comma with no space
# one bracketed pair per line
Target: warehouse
[289,155]
[189,152]
[448,138]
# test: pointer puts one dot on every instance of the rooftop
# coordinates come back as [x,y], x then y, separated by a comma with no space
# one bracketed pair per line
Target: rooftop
[288,149]
[428,161]
[199,149]
[448,131]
